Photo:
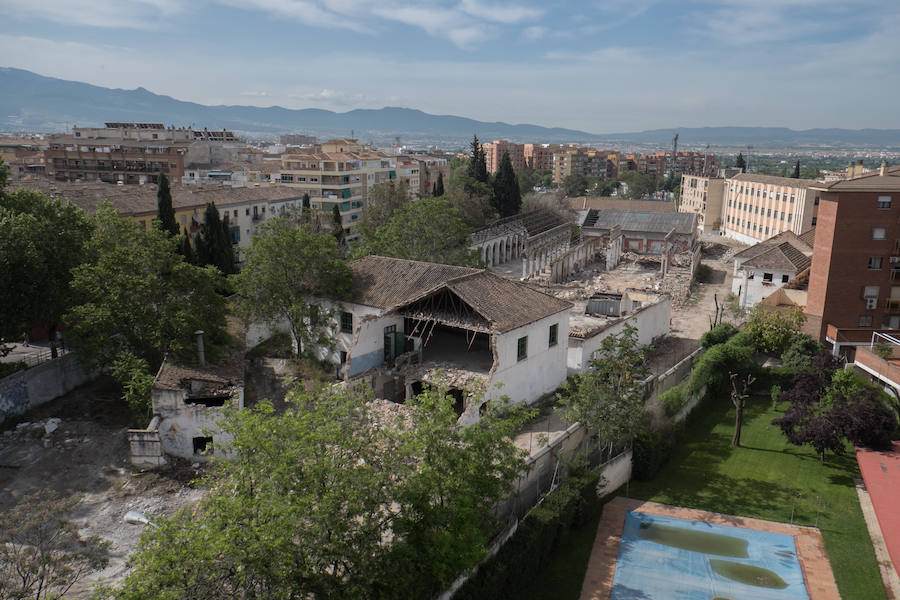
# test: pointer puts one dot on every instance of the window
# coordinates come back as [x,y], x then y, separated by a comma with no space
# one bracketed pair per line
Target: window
[785,278]
[865,320]
[767,277]
[347,322]
[816,201]
[879,233]
[554,334]
[814,219]
[343,357]
[884,202]
[891,322]
[768,212]
[522,348]
[870,294]
[202,444]
[246,212]
[235,214]
[875,263]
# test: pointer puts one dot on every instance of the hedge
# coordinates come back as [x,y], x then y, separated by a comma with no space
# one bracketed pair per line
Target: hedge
[539,535]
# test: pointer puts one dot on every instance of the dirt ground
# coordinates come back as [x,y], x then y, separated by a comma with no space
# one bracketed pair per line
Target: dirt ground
[87,457]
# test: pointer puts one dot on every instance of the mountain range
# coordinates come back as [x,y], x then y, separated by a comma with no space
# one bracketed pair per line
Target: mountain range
[32,102]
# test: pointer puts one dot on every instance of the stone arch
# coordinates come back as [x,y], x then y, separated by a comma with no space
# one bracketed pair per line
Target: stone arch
[501,256]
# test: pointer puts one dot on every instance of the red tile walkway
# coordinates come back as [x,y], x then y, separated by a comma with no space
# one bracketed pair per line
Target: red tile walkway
[881,472]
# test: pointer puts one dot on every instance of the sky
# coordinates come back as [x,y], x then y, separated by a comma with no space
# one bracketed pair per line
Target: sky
[600,66]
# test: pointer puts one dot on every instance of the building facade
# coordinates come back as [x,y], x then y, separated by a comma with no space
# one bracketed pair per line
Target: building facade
[494,151]
[854,283]
[756,207]
[704,196]
[761,270]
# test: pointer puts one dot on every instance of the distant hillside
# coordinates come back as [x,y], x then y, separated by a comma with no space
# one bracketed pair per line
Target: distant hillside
[32,102]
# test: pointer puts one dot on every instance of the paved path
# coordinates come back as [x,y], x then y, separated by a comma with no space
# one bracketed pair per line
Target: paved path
[888,573]
[881,473]
[598,580]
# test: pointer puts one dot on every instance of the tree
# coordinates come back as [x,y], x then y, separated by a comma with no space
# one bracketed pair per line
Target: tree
[164,211]
[136,294]
[305,207]
[325,500]
[187,249]
[507,198]
[575,185]
[610,397]
[773,331]
[42,554]
[796,173]
[384,199]
[214,244]
[477,168]
[286,268]
[41,240]
[738,398]
[472,198]
[439,190]
[740,163]
[429,230]
[337,226]
[640,185]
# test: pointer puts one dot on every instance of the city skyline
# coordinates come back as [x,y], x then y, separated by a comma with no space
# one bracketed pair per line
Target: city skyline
[598,67]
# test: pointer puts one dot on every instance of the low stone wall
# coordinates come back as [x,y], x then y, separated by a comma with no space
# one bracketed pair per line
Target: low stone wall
[146,446]
[22,391]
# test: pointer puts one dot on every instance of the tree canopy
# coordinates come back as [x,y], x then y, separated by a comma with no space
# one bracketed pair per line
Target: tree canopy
[287,265]
[773,331]
[429,229]
[136,294]
[214,245]
[327,499]
[477,168]
[165,214]
[740,163]
[609,398]
[384,199]
[507,196]
[41,240]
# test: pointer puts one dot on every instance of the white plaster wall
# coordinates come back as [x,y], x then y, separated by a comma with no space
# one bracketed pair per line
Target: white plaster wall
[651,321]
[368,327]
[180,423]
[541,372]
[752,291]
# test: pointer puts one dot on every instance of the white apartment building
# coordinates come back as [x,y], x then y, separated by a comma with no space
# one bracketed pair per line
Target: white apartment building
[760,206]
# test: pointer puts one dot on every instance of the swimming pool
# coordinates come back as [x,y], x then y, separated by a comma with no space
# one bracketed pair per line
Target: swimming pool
[664,558]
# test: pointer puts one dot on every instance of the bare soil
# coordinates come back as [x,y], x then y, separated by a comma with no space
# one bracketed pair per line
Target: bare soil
[87,457]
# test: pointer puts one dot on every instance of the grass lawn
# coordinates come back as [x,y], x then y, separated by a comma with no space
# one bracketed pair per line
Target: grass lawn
[766,479]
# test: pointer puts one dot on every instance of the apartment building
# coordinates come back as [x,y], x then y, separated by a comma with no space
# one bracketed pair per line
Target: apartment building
[539,157]
[297,139]
[494,151]
[854,282]
[695,163]
[580,161]
[430,168]
[409,171]
[759,206]
[705,197]
[337,173]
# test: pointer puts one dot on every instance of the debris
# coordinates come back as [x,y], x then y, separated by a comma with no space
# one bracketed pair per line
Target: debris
[51,425]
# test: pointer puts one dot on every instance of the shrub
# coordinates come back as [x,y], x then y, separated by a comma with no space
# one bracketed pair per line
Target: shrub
[800,352]
[718,335]
[540,533]
[882,350]
[652,448]
[674,399]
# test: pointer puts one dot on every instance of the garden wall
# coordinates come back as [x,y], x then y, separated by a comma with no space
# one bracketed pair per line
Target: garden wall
[22,391]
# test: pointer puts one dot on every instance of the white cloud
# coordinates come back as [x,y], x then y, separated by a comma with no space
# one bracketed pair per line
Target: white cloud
[534,33]
[500,13]
[132,14]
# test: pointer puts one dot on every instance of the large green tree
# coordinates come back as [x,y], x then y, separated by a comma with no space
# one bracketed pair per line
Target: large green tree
[796,173]
[288,266]
[740,163]
[164,211]
[507,196]
[328,498]
[439,186]
[214,243]
[384,199]
[429,229]
[477,168]
[575,185]
[136,294]
[609,398]
[41,240]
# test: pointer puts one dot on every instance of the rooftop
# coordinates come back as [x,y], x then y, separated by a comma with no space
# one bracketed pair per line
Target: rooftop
[783,257]
[869,182]
[397,284]
[609,203]
[801,243]
[775,180]
[649,222]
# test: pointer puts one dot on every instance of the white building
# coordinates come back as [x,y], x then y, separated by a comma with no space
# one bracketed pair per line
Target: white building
[761,269]
[409,320]
[757,207]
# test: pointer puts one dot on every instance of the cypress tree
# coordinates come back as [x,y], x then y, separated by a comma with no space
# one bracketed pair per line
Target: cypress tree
[434,189]
[337,225]
[187,251]
[478,163]
[213,247]
[507,196]
[440,184]
[164,211]
[740,163]
[227,249]
[796,174]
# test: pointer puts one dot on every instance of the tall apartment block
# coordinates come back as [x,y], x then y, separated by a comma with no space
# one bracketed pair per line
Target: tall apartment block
[494,151]
[539,157]
[704,196]
[759,206]
[338,173]
[854,282]
[127,153]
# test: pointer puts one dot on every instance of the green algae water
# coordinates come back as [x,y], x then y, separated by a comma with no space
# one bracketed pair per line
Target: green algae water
[695,541]
[748,574]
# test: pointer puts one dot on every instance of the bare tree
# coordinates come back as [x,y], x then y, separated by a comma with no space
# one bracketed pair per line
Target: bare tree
[738,399]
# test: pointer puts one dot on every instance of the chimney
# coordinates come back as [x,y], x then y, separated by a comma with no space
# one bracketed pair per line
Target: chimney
[201,355]
[883,169]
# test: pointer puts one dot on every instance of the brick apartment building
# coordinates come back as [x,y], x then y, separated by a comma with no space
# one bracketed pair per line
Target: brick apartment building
[759,206]
[854,282]
[493,154]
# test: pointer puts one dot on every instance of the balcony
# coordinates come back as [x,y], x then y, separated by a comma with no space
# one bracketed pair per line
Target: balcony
[881,359]
[892,306]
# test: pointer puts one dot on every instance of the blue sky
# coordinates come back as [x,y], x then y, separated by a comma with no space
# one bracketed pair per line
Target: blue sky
[600,66]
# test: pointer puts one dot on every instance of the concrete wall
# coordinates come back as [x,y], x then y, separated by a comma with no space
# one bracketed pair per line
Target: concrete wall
[366,349]
[47,381]
[541,372]
[180,422]
[753,291]
[651,321]
[146,446]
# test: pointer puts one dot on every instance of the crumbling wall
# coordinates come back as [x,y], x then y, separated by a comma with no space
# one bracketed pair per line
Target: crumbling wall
[146,446]
[22,391]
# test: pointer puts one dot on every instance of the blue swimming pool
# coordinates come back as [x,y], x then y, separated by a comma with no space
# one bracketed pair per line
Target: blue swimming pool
[663,558]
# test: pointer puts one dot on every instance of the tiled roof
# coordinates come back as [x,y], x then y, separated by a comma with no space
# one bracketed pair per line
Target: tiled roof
[764,246]
[606,203]
[869,182]
[809,236]
[784,257]
[392,283]
[647,222]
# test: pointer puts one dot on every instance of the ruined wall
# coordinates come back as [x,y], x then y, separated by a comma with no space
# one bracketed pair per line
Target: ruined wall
[47,381]
[368,348]
[180,422]
[651,321]
[542,372]
[146,447]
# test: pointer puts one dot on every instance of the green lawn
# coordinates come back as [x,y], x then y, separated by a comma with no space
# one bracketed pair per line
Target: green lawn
[766,479]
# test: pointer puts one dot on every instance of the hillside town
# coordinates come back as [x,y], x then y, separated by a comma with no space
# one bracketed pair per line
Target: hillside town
[260,339]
